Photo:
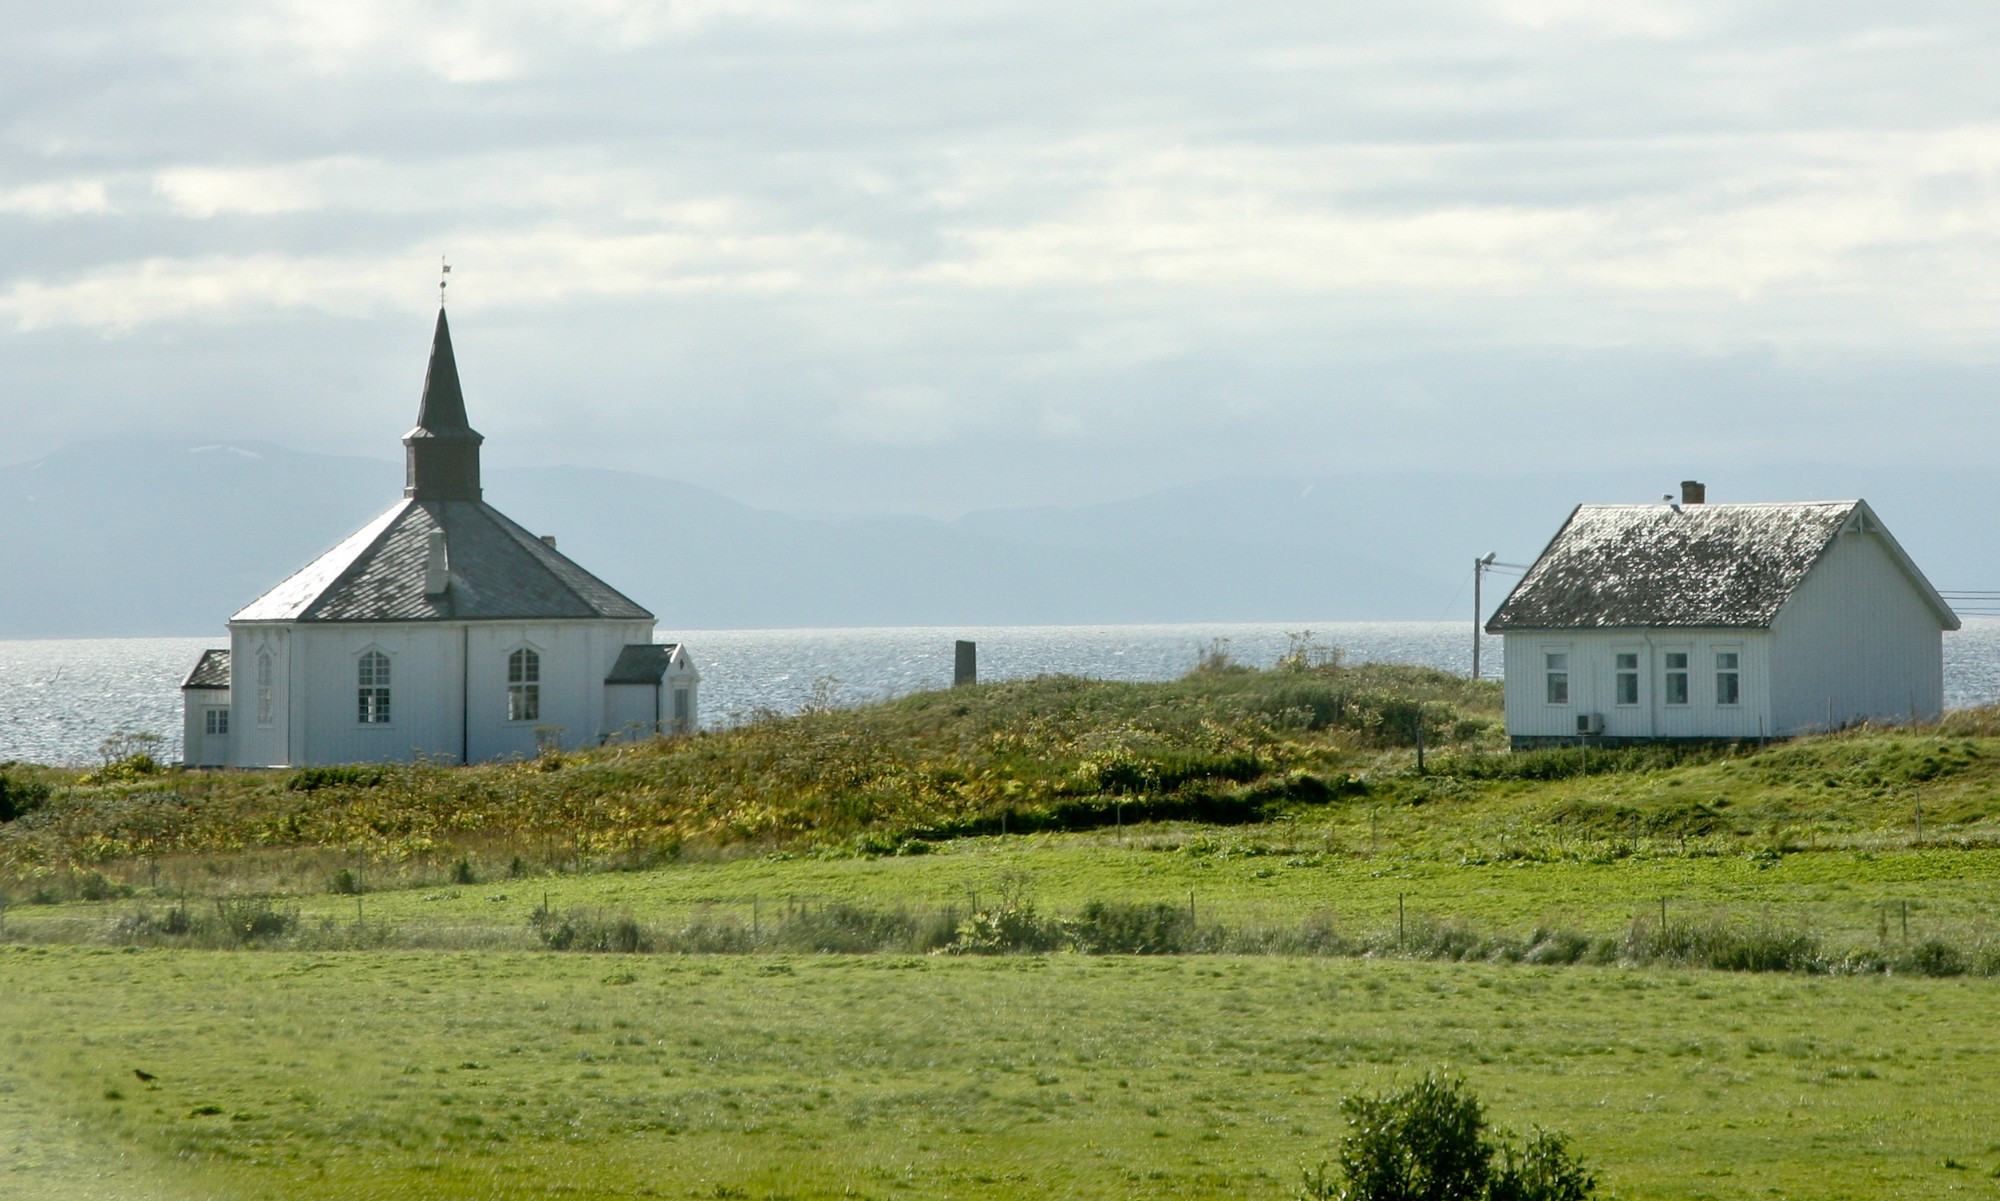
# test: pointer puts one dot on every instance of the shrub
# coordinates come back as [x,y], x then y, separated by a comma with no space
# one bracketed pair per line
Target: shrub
[580,930]
[312,779]
[1007,928]
[245,920]
[1119,928]
[96,886]
[345,882]
[1422,1143]
[1428,1142]
[1931,958]
[20,797]
[1543,1171]
[128,770]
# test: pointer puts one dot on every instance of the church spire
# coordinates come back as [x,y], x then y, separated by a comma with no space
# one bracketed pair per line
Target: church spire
[443,450]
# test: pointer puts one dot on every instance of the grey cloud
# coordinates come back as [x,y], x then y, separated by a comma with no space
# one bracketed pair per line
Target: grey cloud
[936,256]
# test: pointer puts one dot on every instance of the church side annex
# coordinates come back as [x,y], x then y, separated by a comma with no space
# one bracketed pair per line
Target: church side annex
[440,630]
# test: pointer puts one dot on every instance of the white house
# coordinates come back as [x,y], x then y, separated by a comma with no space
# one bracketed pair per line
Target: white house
[1693,620]
[441,630]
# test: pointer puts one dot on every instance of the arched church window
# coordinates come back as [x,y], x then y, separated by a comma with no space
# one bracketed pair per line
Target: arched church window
[372,693]
[263,688]
[524,686]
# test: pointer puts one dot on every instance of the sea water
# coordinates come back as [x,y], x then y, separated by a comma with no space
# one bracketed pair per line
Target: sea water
[60,698]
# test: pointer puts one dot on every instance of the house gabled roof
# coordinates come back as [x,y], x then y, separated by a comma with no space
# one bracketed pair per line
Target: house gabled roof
[646,662]
[1687,566]
[498,571]
[210,671]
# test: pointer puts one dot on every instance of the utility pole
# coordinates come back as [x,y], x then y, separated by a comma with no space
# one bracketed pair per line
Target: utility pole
[1479,567]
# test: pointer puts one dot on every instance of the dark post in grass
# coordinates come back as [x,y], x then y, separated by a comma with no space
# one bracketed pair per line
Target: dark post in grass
[1399,921]
[965,665]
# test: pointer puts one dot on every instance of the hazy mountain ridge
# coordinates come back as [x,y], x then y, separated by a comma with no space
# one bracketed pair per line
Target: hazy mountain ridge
[135,538]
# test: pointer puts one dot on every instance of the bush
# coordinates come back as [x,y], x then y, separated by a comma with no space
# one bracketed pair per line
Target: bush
[1428,1142]
[1931,958]
[20,797]
[96,886]
[246,920]
[1543,1171]
[129,770]
[312,779]
[581,930]
[1117,928]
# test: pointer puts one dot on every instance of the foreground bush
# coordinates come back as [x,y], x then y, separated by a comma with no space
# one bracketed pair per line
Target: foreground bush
[1429,1142]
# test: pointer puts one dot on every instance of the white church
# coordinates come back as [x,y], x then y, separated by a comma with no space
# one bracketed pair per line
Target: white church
[439,630]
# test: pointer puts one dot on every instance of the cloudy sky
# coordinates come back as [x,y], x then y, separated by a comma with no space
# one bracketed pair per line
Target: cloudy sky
[901,255]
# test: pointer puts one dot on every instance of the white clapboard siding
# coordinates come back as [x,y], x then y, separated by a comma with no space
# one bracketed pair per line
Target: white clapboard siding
[1858,642]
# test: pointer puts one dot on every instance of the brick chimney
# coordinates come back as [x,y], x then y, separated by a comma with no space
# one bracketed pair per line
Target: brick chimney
[1694,492]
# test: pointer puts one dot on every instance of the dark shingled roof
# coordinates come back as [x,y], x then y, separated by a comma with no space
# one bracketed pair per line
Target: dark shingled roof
[1682,567]
[499,571]
[212,671]
[642,663]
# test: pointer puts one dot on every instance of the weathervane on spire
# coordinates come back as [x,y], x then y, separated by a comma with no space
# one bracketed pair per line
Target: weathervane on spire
[445,270]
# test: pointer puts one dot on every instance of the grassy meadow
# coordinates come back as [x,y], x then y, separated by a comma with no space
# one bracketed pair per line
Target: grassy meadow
[1047,938]
[405,1074]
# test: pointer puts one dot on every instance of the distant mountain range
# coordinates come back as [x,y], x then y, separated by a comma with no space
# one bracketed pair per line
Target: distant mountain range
[147,538]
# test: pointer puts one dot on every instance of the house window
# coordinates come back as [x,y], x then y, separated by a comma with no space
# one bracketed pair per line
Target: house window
[1627,677]
[263,688]
[683,703]
[1676,677]
[1728,686]
[1557,663]
[372,693]
[217,721]
[524,686]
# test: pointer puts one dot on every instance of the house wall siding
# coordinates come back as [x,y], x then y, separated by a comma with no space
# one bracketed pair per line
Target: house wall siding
[636,710]
[1593,683]
[255,743]
[1857,642]
[448,689]
[199,748]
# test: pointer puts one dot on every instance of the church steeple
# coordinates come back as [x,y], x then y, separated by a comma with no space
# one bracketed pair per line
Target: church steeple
[443,454]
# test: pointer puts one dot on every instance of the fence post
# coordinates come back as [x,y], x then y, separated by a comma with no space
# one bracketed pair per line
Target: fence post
[1399,921]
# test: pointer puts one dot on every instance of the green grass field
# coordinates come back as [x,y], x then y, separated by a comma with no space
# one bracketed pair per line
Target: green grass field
[394,1025]
[378,1075]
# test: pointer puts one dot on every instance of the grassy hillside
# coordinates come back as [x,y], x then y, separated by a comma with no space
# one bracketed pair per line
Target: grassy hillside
[1056,753]
[1270,810]
[1326,752]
